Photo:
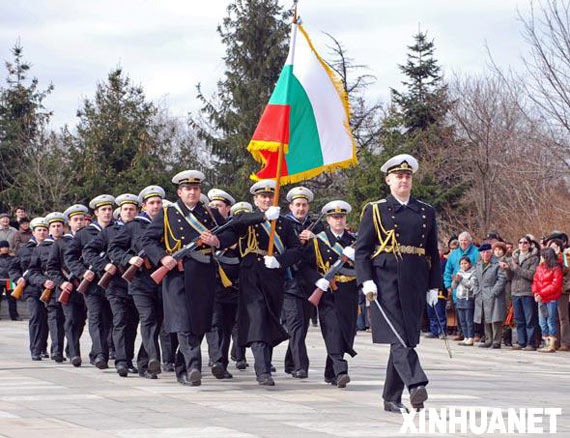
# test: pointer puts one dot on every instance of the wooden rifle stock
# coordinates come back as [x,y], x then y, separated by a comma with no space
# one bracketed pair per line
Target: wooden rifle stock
[46,295]
[316,296]
[18,290]
[105,280]
[132,270]
[84,285]
[159,274]
[64,297]
[130,273]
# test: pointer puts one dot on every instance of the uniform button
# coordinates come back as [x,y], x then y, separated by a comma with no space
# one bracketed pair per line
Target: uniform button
[423,236]
[397,234]
[425,226]
[395,225]
[182,237]
[424,216]
[181,228]
[328,250]
[179,220]
[393,217]
[423,209]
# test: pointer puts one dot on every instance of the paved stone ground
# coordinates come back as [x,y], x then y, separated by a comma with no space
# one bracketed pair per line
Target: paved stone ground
[49,400]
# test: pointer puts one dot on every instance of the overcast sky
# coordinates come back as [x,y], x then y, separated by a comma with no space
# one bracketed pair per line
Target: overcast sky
[168,46]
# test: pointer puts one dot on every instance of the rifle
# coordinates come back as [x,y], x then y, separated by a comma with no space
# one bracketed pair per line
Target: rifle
[106,279]
[84,285]
[317,294]
[46,295]
[19,289]
[132,270]
[161,272]
[64,296]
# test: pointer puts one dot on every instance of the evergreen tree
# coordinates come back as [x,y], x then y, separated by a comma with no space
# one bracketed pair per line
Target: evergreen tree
[120,143]
[23,118]
[256,36]
[416,123]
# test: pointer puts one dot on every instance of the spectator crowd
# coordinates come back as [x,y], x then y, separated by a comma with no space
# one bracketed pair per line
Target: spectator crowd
[496,294]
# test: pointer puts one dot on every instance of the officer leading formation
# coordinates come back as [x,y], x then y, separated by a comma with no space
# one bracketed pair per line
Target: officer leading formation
[201,267]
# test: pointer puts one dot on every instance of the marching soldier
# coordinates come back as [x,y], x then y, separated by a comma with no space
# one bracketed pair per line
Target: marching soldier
[397,264]
[126,250]
[40,279]
[238,351]
[125,316]
[338,308]
[296,309]
[98,309]
[226,297]
[262,277]
[19,273]
[188,289]
[73,306]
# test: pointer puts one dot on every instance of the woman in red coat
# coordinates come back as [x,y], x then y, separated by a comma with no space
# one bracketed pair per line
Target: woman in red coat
[547,288]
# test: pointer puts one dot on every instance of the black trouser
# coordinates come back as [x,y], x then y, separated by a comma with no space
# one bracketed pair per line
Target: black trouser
[168,346]
[262,353]
[403,369]
[224,318]
[100,320]
[149,308]
[37,325]
[75,315]
[238,352]
[297,313]
[12,305]
[125,322]
[335,365]
[56,320]
[188,355]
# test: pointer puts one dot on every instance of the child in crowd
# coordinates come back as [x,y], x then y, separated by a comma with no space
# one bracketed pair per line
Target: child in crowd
[547,288]
[463,282]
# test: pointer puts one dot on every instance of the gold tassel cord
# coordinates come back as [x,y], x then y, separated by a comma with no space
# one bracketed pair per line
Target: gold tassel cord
[389,243]
[168,232]
[226,282]
[323,267]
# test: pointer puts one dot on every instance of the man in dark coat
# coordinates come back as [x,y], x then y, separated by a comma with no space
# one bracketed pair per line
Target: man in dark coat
[227,294]
[98,309]
[296,309]
[40,279]
[19,272]
[73,306]
[189,287]
[338,308]
[397,262]
[126,250]
[5,262]
[125,316]
[262,277]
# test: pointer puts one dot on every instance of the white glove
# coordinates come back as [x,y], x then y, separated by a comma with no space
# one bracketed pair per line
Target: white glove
[272,213]
[322,284]
[431,297]
[348,252]
[271,262]
[370,290]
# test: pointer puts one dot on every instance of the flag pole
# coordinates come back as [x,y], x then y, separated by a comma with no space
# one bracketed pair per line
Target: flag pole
[283,132]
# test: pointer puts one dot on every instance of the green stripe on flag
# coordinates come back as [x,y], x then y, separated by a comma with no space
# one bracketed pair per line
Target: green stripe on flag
[304,144]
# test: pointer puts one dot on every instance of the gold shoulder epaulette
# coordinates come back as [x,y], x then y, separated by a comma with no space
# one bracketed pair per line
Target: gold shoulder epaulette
[380,201]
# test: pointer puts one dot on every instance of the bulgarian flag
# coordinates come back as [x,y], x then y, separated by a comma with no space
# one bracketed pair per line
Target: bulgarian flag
[308,113]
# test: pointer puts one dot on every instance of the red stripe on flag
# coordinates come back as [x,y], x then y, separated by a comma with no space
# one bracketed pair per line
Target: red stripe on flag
[270,169]
[270,126]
